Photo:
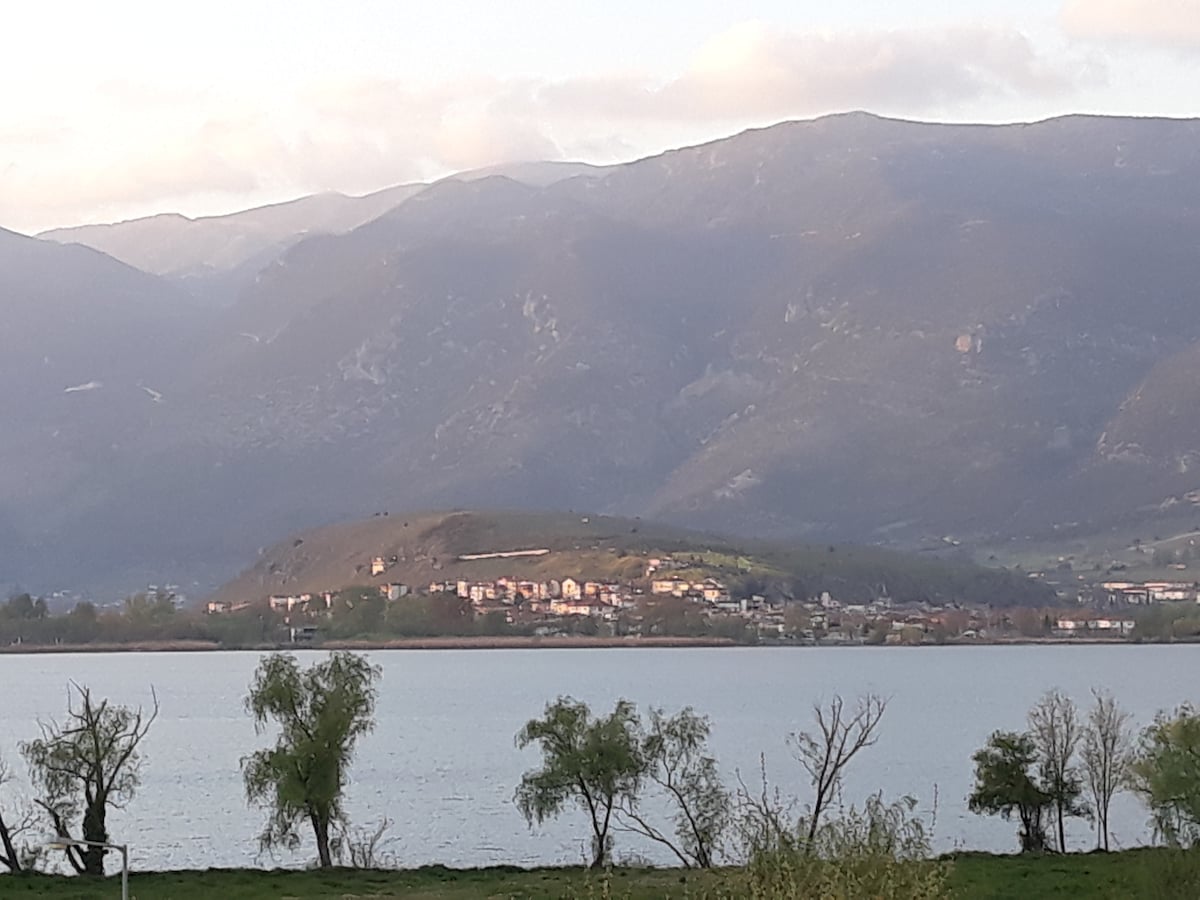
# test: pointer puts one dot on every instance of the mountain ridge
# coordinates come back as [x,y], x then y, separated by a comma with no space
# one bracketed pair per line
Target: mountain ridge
[182,246]
[848,328]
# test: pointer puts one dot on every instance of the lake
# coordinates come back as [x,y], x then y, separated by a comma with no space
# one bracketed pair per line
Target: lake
[442,765]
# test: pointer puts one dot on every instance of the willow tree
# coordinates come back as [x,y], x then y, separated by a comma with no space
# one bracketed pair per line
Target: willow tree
[320,712]
[594,761]
[1166,773]
[87,765]
[676,760]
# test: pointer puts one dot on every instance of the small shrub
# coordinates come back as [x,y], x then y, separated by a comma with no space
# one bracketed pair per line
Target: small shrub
[1170,873]
[881,851]
[366,847]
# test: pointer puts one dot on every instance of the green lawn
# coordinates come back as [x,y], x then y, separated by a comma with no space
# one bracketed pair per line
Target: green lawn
[1119,876]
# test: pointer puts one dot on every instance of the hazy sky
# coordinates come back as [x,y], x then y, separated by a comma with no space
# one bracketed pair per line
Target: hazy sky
[128,107]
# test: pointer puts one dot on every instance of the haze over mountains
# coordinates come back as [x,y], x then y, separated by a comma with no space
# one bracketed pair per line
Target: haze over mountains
[214,250]
[852,328]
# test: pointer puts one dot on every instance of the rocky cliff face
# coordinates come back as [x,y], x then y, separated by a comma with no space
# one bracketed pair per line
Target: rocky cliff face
[854,327]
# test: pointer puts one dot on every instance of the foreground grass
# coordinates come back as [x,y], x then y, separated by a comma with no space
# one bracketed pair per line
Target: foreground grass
[1131,874]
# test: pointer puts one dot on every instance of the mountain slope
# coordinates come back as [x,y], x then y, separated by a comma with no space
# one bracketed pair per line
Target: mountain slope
[90,363]
[805,327]
[850,328]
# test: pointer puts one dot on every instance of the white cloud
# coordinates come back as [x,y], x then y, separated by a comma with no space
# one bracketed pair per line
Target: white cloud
[1172,24]
[754,71]
[123,148]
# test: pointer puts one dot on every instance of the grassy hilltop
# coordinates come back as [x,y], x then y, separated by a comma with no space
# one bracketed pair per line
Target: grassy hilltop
[424,547]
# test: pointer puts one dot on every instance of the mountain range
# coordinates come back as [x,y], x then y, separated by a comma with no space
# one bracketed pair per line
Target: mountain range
[850,328]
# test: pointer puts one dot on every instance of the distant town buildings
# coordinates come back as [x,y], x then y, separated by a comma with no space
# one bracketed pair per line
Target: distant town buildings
[1105,610]
[1141,593]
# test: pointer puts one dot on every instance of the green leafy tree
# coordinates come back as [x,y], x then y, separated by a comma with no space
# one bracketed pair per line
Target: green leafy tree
[1004,784]
[24,620]
[147,616]
[86,766]
[1167,775]
[596,762]
[410,617]
[154,609]
[450,614]
[358,612]
[675,616]
[321,712]
[493,624]
[81,624]
[23,607]
[674,750]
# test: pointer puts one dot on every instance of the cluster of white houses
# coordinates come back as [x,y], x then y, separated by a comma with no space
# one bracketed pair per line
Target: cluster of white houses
[820,619]
[575,597]
[1141,593]
[566,597]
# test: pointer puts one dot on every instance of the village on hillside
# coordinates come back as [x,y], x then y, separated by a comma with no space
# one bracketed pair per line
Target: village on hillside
[675,596]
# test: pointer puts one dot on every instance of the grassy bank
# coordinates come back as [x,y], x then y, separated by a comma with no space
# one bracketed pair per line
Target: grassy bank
[1117,876]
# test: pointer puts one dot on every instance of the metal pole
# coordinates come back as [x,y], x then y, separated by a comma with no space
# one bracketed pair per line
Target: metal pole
[63,842]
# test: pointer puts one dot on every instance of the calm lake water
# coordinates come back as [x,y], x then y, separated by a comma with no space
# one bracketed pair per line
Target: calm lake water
[442,765]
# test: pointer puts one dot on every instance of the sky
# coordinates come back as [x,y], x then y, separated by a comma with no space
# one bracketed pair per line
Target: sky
[132,107]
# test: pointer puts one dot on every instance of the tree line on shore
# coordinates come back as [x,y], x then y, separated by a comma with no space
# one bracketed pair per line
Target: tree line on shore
[649,776]
[364,614]
[356,613]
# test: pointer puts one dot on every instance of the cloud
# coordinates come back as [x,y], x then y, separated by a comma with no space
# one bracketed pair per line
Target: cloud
[463,124]
[123,148]
[1170,24]
[754,71]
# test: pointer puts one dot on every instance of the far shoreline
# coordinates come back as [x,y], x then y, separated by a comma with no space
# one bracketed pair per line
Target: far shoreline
[560,642]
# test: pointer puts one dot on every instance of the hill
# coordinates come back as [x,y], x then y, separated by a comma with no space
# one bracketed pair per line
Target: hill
[430,547]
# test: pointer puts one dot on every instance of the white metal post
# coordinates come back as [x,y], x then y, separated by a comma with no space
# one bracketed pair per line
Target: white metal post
[63,842]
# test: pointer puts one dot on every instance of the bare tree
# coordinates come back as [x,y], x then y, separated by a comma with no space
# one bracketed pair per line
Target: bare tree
[1107,752]
[826,752]
[1054,726]
[762,817]
[13,856]
[87,765]
[674,752]
[365,847]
